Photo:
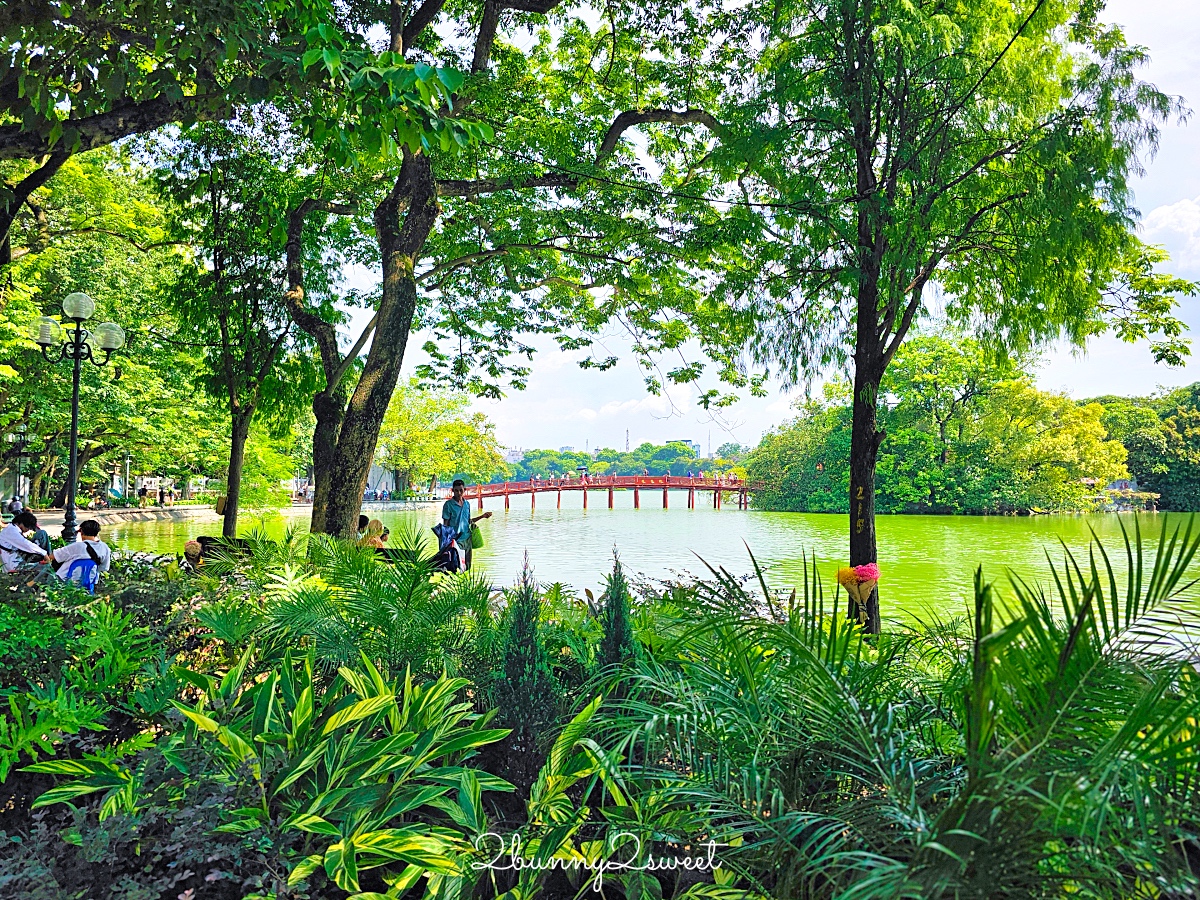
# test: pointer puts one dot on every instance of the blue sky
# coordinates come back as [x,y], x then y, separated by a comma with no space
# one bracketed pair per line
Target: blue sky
[565,405]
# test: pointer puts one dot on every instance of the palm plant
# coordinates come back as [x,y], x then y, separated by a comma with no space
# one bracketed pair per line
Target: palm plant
[399,613]
[1044,747]
[255,556]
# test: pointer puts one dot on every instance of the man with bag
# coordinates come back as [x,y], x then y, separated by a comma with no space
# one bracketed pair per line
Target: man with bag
[16,550]
[89,546]
[456,513]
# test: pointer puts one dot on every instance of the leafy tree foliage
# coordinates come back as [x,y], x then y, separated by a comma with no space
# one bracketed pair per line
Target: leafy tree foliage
[99,228]
[963,436]
[677,458]
[433,433]
[891,150]
[732,450]
[229,300]
[76,76]
[536,215]
[1162,441]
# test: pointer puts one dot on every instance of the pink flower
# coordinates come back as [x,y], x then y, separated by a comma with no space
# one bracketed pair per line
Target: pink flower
[869,572]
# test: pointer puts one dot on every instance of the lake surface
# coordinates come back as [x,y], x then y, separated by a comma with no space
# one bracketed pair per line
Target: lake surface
[927,562]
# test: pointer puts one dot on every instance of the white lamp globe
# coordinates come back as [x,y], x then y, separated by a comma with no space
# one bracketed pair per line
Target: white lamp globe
[45,331]
[109,336]
[78,306]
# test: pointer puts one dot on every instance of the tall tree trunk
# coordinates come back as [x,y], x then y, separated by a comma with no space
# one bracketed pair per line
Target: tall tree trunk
[865,438]
[400,244]
[233,484]
[86,455]
[329,405]
[329,411]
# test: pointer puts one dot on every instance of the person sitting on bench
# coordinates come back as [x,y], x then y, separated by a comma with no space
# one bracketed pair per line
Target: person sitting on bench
[90,547]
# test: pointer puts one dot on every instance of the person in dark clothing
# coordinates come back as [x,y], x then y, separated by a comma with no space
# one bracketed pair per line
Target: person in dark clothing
[40,536]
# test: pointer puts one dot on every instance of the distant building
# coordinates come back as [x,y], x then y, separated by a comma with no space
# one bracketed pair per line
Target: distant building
[514,455]
[567,449]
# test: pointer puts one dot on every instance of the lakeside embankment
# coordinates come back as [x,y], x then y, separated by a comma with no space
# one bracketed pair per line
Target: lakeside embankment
[51,519]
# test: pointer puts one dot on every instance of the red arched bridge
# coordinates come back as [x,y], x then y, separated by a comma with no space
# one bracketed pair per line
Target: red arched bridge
[722,485]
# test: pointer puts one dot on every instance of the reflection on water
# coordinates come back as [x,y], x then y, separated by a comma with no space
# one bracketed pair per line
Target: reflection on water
[927,561]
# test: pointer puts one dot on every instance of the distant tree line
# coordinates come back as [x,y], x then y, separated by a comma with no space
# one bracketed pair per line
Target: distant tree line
[675,457]
[966,433]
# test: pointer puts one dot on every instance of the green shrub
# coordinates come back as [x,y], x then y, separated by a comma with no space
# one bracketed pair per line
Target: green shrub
[525,691]
[172,848]
[366,771]
[1044,747]
[33,645]
[618,645]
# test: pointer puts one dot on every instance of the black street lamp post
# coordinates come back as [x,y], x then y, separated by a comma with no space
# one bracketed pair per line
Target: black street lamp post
[77,309]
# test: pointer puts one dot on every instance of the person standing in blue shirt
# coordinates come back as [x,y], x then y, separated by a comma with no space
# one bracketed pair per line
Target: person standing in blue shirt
[456,512]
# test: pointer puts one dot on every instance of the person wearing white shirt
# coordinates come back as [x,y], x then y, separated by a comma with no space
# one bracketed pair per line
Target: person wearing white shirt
[90,547]
[14,545]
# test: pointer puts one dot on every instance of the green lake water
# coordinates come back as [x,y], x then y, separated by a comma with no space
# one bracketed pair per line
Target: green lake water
[927,562]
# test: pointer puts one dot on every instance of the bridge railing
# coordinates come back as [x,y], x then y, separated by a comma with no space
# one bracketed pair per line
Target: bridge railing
[612,482]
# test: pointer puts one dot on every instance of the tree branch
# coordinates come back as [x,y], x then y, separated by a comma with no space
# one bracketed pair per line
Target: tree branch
[421,19]
[630,118]
[568,180]
[344,367]
[486,36]
[103,128]
[19,193]
[323,332]
[455,188]
[490,22]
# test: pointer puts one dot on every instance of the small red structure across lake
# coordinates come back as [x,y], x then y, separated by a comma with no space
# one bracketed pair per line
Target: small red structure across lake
[719,485]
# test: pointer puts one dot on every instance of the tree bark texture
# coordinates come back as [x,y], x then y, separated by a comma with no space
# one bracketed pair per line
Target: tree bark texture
[400,244]
[237,454]
[865,438]
[329,411]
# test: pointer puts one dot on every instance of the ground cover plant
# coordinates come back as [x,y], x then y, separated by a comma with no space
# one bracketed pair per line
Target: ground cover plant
[300,718]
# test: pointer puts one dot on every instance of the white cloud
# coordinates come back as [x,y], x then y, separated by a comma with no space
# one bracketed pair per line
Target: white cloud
[1177,227]
[656,405]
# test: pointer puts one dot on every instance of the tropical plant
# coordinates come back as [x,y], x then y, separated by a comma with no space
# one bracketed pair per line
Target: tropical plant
[398,612]
[1042,747]
[370,767]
